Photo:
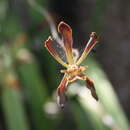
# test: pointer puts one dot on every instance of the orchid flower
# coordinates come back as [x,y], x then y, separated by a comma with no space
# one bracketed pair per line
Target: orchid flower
[73,69]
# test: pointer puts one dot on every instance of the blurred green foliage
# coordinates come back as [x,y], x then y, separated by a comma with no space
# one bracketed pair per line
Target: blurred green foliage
[29,77]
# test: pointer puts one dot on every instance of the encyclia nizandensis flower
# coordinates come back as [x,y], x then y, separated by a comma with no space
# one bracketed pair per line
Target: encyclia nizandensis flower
[73,71]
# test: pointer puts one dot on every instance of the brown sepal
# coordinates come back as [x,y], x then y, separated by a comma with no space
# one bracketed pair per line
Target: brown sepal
[61,92]
[90,86]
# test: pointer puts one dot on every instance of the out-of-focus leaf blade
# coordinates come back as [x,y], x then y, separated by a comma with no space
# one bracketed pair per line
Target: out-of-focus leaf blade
[14,110]
[107,96]
[35,89]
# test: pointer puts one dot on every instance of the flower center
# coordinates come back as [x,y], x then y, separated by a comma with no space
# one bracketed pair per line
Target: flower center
[74,69]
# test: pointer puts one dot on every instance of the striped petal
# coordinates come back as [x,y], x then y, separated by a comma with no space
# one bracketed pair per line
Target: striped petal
[66,32]
[90,86]
[61,91]
[48,45]
[91,43]
[89,83]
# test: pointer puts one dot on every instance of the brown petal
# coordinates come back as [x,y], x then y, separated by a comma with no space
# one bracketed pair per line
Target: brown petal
[48,45]
[90,86]
[66,32]
[91,43]
[61,92]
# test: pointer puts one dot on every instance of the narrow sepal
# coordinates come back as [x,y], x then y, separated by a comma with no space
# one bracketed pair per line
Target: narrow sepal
[90,85]
[48,45]
[91,43]
[66,32]
[61,92]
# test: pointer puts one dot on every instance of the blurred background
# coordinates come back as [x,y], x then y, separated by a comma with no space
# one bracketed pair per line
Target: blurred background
[29,75]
